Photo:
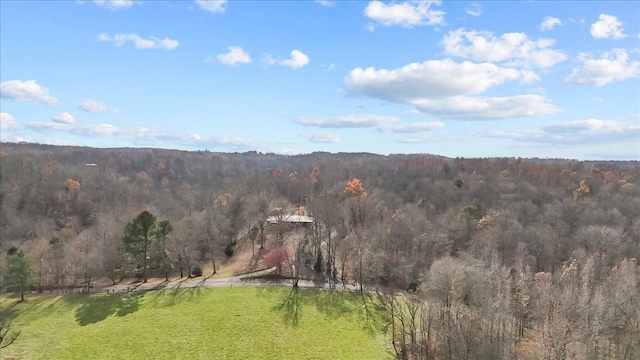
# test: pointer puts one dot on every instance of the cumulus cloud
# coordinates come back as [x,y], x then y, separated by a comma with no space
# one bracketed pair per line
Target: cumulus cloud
[114,4]
[298,59]
[212,6]
[322,137]
[236,55]
[549,23]
[487,108]
[517,49]
[28,90]
[7,122]
[590,131]
[607,26]
[475,9]
[347,121]
[612,66]
[430,79]
[406,14]
[442,88]
[94,106]
[139,42]
[64,118]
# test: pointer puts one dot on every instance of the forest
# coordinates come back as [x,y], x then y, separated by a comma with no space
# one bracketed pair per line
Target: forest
[470,258]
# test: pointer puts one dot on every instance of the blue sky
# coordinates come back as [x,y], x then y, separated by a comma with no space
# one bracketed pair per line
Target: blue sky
[454,78]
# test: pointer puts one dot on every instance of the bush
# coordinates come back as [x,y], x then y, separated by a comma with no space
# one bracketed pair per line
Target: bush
[318,265]
[196,271]
[228,250]
[276,258]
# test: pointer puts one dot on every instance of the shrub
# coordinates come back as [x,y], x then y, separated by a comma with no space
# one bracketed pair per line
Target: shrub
[276,258]
[196,271]
[317,266]
[228,250]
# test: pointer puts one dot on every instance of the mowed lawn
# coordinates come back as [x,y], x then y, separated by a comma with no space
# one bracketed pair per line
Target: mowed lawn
[211,323]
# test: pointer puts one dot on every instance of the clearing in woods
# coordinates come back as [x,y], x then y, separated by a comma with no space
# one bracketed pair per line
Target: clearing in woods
[221,323]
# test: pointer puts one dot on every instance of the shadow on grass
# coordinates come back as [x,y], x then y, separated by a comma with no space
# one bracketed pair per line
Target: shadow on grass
[39,305]
[332,303]
[97,308]
[173,296]
[290,306]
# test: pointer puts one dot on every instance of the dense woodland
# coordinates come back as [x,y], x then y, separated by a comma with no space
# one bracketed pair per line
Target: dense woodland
[472,258]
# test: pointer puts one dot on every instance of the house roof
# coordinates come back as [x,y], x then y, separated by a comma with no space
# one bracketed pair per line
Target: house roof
[290,219]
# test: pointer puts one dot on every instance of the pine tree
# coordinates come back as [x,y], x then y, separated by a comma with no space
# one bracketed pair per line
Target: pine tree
[19,273]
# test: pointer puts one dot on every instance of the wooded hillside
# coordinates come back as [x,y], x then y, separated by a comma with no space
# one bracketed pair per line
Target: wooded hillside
[516,255]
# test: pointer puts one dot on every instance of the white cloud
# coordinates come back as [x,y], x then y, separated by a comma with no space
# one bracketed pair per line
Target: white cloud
[549,23]
[64,118]
[414,127]
[139,42]
[41,126]
[234,56]
[269,60]
[322,137]
[431,79]
[144,136]
[590,131]
[441,87]
[607,26]
[406,14]
[114,4]
[213,6]
[26,90]
[612,66]
[487,108]
[325,3]
[94,106]
[100,129]
[7,122]
[347,121]
[515,48]
[474,9]
[298,59]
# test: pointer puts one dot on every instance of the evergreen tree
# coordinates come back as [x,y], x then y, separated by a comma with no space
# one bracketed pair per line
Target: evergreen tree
[138,237]
[19,272]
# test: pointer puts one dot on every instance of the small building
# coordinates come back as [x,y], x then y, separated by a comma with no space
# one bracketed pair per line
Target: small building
[292,219]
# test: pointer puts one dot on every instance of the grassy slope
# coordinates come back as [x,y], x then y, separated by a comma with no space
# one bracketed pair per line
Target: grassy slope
[223,323]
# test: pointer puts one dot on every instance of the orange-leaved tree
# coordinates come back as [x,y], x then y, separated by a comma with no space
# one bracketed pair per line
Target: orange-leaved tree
[355,188]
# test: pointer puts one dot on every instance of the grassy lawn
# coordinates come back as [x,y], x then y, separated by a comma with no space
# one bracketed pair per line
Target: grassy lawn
[219,323]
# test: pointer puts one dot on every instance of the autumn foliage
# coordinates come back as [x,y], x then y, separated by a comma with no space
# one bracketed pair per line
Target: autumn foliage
[276,258]
[608,177]
[143,178]
[355,188]
[72,185]
[314,174]
[581,191]
[277,172]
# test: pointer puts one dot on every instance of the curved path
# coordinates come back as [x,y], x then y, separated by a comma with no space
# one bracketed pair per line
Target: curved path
[250,279]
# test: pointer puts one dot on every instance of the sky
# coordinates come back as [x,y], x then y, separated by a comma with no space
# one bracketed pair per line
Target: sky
[546,79]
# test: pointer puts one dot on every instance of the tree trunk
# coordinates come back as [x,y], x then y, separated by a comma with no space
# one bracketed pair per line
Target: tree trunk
[144,268]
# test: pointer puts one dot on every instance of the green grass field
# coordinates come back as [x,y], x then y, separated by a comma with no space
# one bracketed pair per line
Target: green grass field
[218,323]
